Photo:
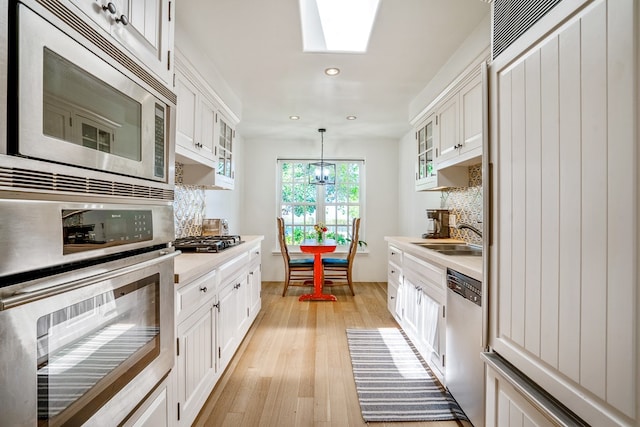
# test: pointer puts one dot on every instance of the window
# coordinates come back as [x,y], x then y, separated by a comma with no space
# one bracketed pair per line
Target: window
[302,205]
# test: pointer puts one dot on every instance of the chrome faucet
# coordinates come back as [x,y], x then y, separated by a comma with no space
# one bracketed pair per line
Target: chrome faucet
[470,227]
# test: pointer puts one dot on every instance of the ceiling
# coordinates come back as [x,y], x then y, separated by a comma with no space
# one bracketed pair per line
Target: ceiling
[256,47]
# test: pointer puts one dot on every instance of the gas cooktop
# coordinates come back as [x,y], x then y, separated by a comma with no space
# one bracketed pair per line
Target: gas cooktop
[208,244]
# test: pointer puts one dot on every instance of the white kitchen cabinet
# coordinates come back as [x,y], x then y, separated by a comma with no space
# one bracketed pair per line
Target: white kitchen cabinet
[419,288]
[205,135]
[427,134]
[425,284]
[395,283]
[507,407]
[229,320]
[461,124]
[450,134]
[196,368]
[449,127]
[195,361]
[195,121]
[144,28]
[157,409]
[255,282]
[213,314]
[564,266]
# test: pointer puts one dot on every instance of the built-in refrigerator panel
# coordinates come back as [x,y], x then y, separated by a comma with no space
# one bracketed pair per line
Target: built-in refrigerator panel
[563,189]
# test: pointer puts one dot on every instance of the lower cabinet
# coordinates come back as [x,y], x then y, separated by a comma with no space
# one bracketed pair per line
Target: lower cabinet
[416,296]
[505,406]
[195,361]
[213,314]
[156,410]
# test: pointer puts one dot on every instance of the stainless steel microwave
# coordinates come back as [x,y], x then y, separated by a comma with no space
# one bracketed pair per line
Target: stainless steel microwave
[70,105]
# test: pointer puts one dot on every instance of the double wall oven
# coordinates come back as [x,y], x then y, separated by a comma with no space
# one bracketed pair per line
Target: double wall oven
[86,201]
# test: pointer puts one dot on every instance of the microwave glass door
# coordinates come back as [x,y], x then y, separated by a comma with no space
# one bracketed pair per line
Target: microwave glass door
[89,350]
[76,109]
[81,109]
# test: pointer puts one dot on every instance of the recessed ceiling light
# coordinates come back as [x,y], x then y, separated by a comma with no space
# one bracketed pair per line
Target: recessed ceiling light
[294,117]
[332,71]
[351,117]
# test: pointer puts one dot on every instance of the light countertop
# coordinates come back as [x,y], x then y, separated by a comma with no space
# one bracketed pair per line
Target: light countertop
[468,265]
[190,265]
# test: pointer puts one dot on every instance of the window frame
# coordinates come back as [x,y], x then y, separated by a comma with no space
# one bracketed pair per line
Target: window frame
[320,200]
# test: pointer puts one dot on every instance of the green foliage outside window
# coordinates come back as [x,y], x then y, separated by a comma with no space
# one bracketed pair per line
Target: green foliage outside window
[303,205]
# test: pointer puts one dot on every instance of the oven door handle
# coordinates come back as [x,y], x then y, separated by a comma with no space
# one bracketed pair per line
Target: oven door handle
[35,293]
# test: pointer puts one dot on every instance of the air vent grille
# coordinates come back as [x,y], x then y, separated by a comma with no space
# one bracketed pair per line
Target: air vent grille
[59,10]
[511,18]
[44,181]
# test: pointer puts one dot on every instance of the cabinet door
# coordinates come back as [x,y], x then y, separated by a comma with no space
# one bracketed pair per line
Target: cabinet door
[148,34]
[471,116]
[255,290]
[195,361]
[225,156]
[186,119]
[207,127]
[448,129]
[430,330]
[227,323]
[426,138]
[392,295]
[243,306]
[410,297]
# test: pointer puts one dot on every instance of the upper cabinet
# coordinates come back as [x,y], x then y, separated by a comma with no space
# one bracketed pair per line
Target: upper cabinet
[449,135]
[461,127]
[144,28]
[205,134]
[427,176]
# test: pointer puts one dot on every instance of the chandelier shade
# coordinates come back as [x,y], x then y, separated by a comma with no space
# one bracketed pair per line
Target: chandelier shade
[322,173]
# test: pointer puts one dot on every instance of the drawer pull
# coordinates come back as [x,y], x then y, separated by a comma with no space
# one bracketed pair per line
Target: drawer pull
[203,289]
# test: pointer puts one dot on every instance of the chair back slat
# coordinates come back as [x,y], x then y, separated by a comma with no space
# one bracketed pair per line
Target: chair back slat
[355,236]
[282,241]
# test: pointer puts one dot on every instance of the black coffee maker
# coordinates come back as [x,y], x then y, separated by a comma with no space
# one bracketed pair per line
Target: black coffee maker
[438,220]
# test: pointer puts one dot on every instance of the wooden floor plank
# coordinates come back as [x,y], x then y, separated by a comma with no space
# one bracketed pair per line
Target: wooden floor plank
[293,368]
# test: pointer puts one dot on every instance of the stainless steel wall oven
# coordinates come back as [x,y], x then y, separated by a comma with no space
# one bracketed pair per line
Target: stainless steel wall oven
[86,309]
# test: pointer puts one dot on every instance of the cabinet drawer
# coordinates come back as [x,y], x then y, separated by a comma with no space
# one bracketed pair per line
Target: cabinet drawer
[393,273]
[231,268]
[394,255]
[195,294]
[255,255]
[421,271]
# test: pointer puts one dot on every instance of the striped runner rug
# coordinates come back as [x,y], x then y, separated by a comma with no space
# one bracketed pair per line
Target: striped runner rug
[393,381]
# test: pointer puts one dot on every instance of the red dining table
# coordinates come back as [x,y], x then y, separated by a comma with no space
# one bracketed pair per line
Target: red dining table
[317,249]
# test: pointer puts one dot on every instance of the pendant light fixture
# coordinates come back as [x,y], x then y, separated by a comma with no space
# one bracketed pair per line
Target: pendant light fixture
[322,173]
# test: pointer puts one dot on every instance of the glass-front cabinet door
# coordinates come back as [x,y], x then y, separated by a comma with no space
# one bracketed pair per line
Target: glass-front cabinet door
[426,144]
[226,134]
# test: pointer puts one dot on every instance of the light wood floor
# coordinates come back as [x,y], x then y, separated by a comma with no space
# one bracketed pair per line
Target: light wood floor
[293,368]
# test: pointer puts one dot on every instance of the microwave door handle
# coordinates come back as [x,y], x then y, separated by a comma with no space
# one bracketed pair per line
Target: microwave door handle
[38,292]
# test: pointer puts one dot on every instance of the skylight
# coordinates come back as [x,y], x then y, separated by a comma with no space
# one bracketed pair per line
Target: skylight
[337,25]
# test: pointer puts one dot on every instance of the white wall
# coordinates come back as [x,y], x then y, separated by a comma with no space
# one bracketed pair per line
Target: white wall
[379,219]
[412,218]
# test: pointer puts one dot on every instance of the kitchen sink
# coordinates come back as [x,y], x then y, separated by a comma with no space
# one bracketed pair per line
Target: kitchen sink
[453,248]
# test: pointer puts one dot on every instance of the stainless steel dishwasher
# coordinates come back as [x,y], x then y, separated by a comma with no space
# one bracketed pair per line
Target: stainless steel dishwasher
[464,369]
